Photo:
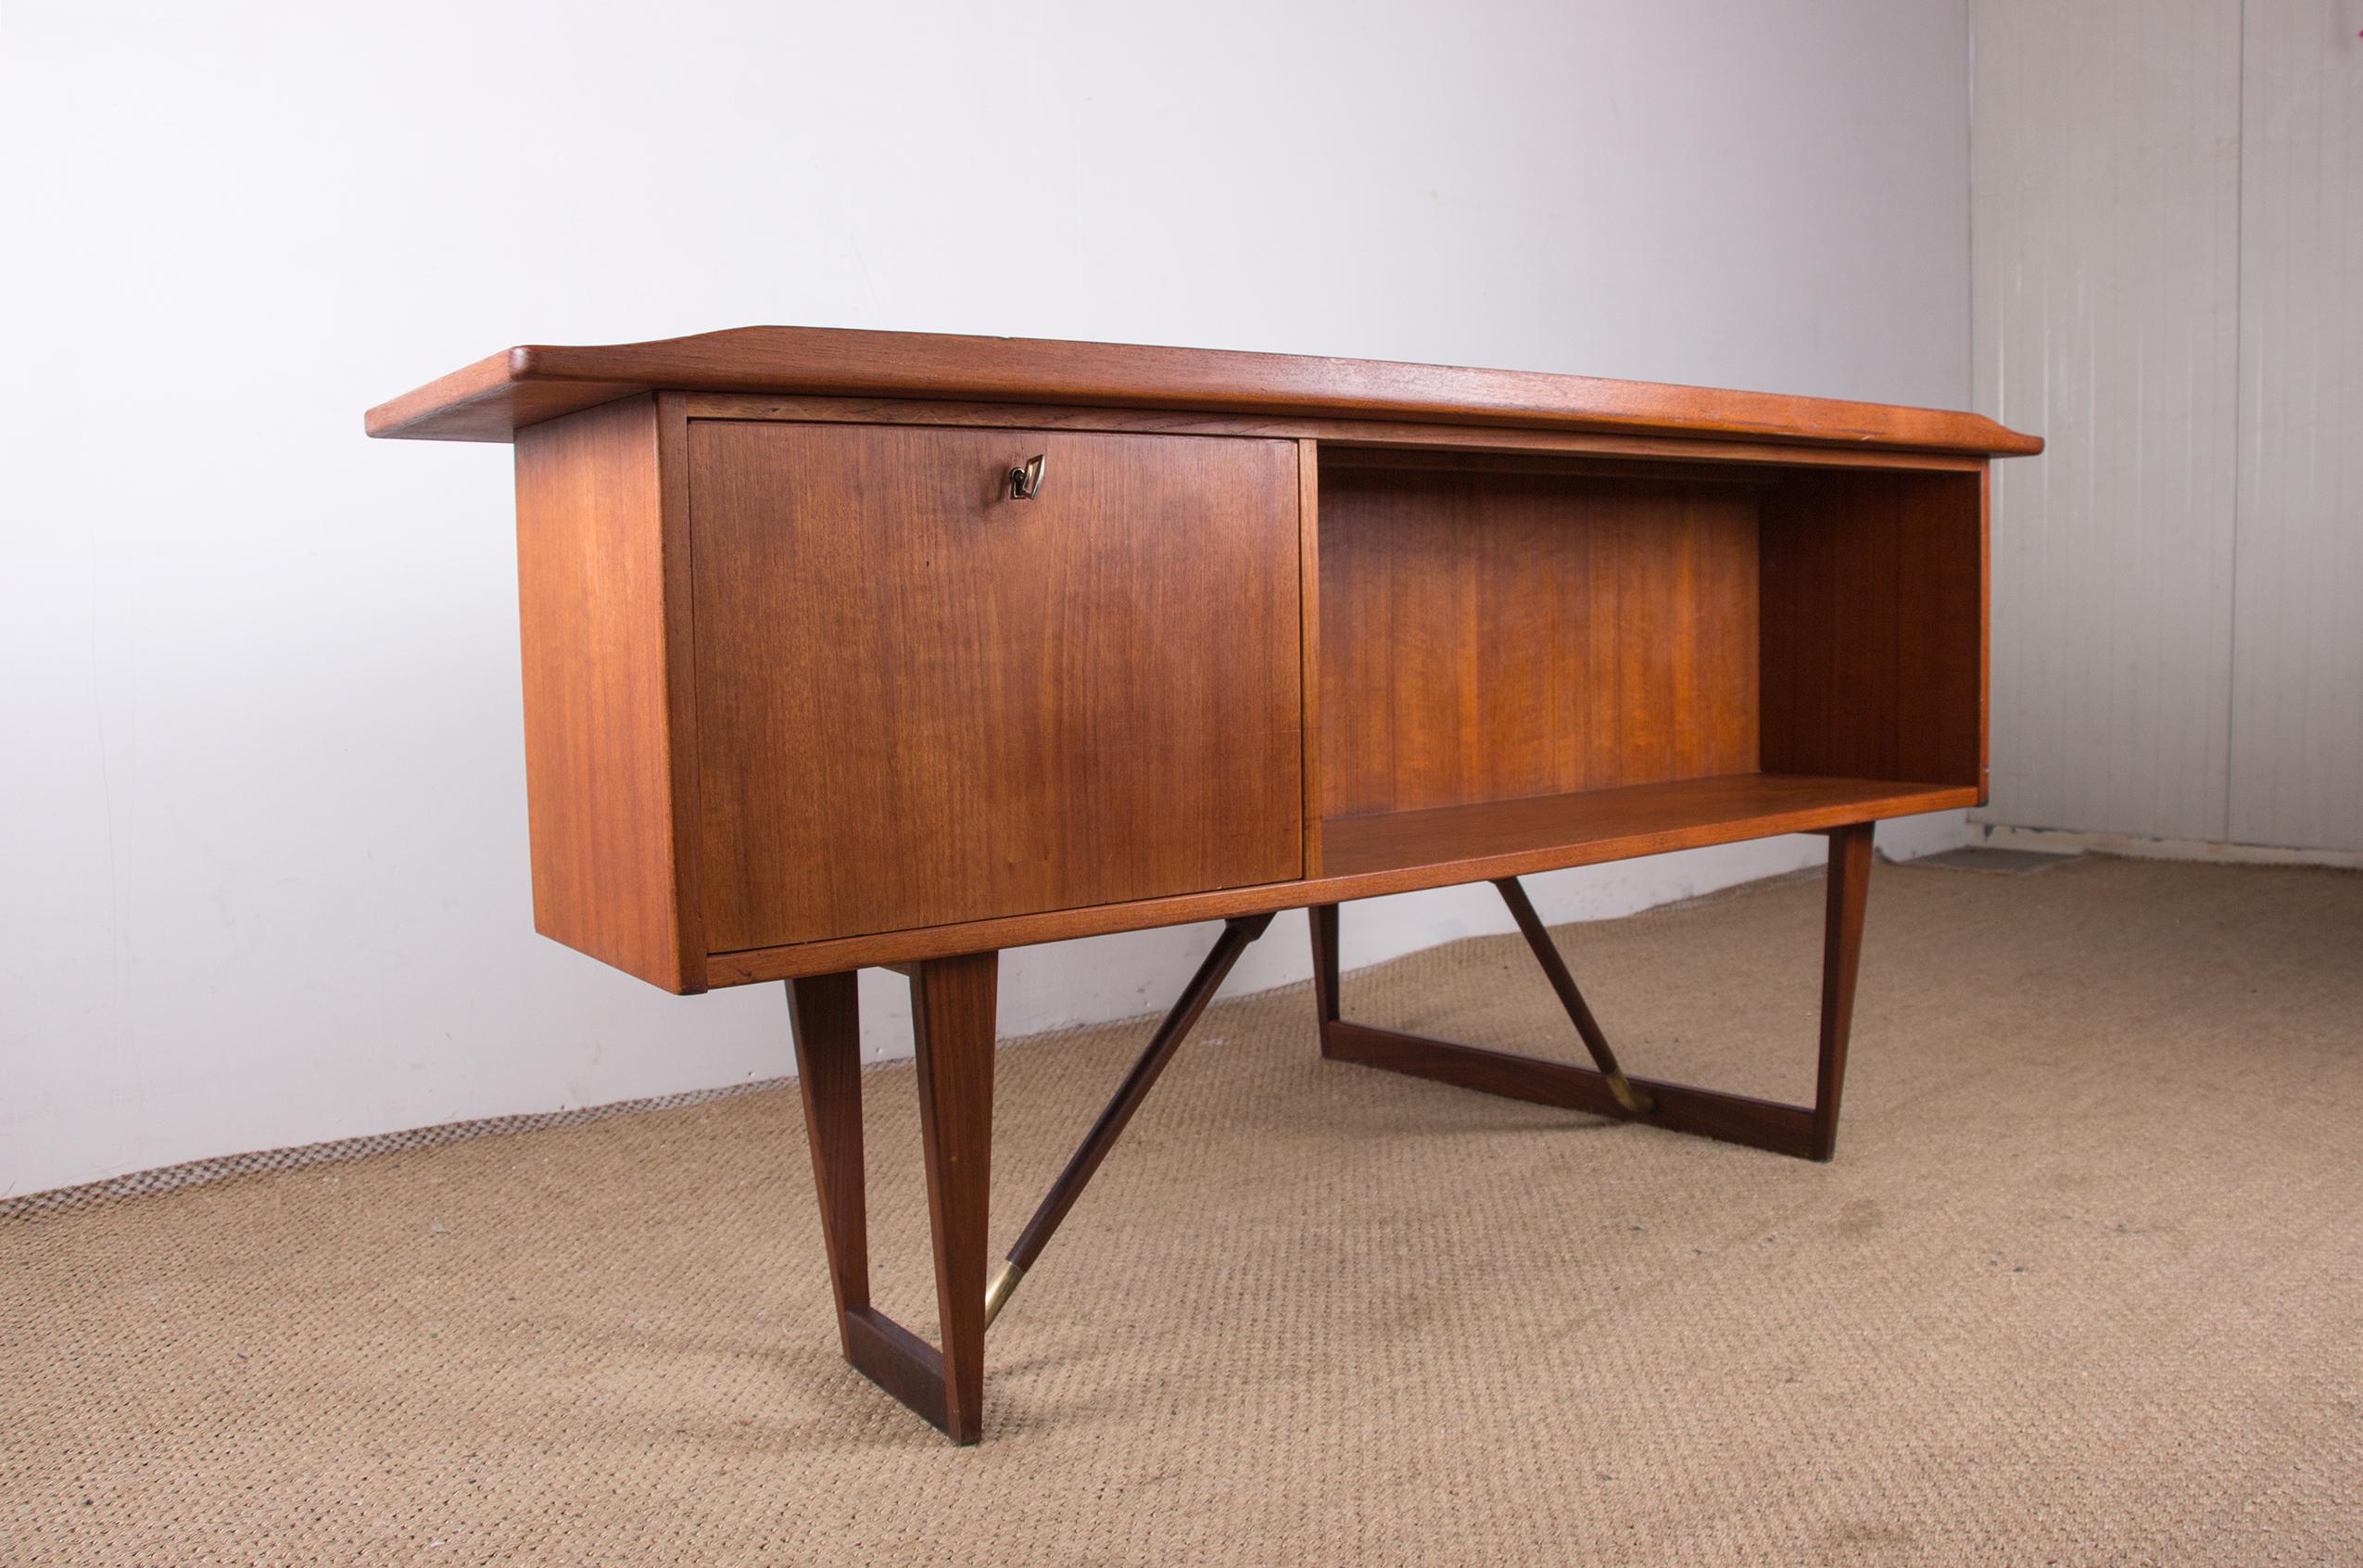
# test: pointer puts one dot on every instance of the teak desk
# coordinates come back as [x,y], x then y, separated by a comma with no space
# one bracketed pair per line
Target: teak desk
[849,647]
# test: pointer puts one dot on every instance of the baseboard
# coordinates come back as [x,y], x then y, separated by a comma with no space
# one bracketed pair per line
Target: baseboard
[2054,841]
[198,1172]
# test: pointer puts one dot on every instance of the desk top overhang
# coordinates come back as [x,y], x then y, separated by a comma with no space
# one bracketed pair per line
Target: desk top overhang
[493,397]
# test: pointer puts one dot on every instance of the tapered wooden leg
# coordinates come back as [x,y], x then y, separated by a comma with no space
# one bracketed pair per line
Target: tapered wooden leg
[1324,922]
[952,1006]
[825,1019]
[1850,882]
[951,1015]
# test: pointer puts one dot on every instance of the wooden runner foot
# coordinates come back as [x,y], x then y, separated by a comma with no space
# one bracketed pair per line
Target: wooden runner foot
[1807,1132]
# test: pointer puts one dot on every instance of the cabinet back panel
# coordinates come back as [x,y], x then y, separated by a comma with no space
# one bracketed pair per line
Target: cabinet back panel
[1875,626]
[923,702]
[1490,635]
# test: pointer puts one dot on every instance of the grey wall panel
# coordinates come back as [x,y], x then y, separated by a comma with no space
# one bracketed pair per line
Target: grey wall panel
[2297,642]
[2104,189]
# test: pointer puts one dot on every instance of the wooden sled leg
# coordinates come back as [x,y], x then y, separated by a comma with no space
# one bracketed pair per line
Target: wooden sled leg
[1810,1134]
[952,1007]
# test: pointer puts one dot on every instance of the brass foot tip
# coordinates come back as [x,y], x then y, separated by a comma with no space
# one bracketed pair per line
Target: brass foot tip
[1632,1099]
[999,1288]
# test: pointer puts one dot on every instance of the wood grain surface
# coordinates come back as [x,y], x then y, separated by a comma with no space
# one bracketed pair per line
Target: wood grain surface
[1677,1107]
[601,589]
[1874,626]
[808,689]
[1336,435]
[952,1023]
[824,1014]
[1684,810]
[495,397]
[1850,883]
[1491,635]
[1403,853]
[924,702]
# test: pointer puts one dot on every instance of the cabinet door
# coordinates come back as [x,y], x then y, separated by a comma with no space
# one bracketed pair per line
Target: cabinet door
[923,700]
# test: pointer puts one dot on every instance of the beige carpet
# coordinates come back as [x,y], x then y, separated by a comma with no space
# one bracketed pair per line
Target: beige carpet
[2082,1287]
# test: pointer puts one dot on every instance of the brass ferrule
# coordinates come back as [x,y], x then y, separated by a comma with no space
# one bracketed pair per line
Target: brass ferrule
[999,1288]
[1632,1099]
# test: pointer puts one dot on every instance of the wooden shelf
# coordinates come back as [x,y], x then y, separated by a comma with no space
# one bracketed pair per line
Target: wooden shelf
[1511,838]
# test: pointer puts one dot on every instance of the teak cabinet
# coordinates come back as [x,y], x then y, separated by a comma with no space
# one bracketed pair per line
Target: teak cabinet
[852,648]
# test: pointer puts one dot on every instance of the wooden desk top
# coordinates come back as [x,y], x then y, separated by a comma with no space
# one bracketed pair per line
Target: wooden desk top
[490,400]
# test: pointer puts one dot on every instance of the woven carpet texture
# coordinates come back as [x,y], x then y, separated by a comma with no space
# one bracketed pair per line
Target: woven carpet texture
[2082,1286]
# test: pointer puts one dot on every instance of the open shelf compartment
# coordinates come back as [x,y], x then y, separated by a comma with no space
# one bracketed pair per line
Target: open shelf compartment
[1529,662]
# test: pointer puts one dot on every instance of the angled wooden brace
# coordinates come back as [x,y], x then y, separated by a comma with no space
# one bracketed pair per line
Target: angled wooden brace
[1236,936]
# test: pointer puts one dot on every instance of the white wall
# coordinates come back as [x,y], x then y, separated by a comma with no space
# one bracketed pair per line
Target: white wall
[2169,239]
[262,812]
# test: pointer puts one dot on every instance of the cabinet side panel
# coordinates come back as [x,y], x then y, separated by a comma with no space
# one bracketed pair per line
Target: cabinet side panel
[1874,618]
[591,596]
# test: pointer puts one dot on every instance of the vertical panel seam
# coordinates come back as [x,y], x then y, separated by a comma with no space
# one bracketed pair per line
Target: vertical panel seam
[2239,406]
